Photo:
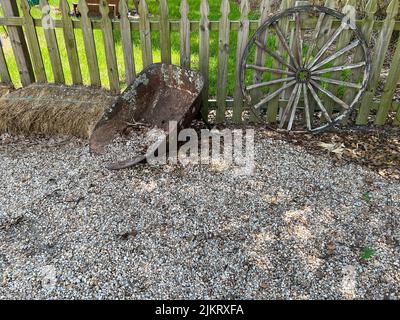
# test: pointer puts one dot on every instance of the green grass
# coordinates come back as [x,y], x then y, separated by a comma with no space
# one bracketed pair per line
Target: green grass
[175,43]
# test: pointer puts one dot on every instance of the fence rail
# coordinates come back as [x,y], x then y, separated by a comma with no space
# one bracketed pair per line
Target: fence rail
[28,54]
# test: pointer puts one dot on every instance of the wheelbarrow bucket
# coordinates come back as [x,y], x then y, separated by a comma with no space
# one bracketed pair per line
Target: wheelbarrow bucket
[160,94]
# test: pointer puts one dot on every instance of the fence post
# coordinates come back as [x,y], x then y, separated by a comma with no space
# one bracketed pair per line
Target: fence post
[204,52]
[165,35]
[127,46]
[90,46]
[224,30]
[18,44]
[185,34]
[109,47]
[33,43]
[70,43]
[259,60]
[243,35]
[377,63]
[145,36]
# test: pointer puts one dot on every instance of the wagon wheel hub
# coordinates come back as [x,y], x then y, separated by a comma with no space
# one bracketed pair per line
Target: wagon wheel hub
[303,75]
[305,79]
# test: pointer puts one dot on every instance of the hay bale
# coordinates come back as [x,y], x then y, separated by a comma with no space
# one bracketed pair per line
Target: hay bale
[49,109]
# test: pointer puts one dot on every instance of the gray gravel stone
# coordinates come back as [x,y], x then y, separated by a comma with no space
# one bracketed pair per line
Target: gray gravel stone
[69,228]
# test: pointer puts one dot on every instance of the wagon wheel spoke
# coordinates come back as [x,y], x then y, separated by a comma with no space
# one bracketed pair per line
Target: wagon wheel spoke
[340,68]
[289,105]
[306,107]
[294,108]
[337,82]
[314,38]
[319,102]
[326,45]
[274,94]
[272,70]
[268,83]
[299,40]
[337,54]
[282,39]
[274,55]
[330,95]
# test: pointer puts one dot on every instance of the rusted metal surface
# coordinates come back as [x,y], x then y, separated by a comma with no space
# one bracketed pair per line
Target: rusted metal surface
[160,94]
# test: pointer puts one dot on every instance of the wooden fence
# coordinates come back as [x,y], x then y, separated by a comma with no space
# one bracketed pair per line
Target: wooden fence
[22,30]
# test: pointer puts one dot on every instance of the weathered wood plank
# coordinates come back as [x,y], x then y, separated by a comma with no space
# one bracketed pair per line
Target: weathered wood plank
[184,34]
[389,88]
[4,73]
[366,28]
[273,105]
[243,35]
[52,44]
[18,44]
[223,52]
[343,40]
[70,43]
[259,60]
[204,53]
[381,48]
[127,44]
[33,43]
[109,46]
[145,35]
[90,47]
[165,33]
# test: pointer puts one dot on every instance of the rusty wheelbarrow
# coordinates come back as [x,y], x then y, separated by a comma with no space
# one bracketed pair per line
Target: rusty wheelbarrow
[160,94]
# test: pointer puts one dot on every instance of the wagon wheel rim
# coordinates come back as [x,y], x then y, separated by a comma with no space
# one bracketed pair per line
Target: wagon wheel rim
[312,71]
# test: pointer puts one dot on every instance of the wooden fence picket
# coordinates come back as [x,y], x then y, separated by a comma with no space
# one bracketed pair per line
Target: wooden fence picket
[33,43]
[184,35]
[243,35]
[204,53]
[389,88]
[109,46]
[259,59]
[127,43]
[343,40]
[325,32]
[273,105]
[4,73]
[18,44]
[223,52]
[52,44]
[70,43]
[90,47]
[366,29]
[165,33]
[381,48]
[145,34]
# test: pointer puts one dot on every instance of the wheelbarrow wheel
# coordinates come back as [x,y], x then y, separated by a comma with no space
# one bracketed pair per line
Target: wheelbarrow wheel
[309,79]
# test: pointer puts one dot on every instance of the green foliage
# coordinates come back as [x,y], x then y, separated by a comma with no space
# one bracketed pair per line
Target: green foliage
[367,253]
[366,197]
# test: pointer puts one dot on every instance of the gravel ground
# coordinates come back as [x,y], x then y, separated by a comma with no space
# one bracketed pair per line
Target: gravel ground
[69,228]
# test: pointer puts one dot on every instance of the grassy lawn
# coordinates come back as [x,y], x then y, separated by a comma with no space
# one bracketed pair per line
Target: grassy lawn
[154,10]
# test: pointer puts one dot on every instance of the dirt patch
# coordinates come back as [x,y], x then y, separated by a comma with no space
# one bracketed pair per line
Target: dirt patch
[376,149]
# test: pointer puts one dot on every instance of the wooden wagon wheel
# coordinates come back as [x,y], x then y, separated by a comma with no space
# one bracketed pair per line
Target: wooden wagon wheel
[321,75]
